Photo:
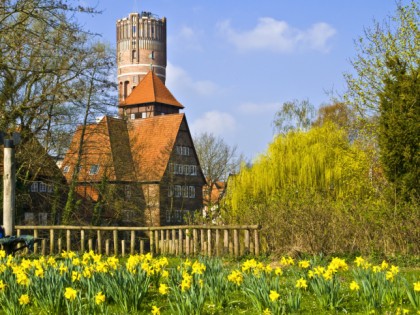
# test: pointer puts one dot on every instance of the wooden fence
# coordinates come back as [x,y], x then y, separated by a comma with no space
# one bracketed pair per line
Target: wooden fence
[173,240]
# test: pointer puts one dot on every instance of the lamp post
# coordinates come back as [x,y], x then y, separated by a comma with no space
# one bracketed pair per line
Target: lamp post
[9,181]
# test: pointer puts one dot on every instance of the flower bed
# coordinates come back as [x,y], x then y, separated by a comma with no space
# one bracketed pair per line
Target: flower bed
[95,284]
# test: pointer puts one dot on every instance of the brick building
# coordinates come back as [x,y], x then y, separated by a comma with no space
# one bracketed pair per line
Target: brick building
[146,157]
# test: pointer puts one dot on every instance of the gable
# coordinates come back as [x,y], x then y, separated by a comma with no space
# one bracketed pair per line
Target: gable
[152,141]
[96,151]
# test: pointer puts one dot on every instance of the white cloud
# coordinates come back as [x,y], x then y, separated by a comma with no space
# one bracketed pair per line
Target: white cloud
[186,38]
[258,108]
[278,36]
[178,79]
[215,122]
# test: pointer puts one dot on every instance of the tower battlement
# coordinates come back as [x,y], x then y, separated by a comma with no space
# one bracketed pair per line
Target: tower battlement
[141,47]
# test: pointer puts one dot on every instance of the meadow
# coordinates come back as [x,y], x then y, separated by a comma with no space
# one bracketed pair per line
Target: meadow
[90,283]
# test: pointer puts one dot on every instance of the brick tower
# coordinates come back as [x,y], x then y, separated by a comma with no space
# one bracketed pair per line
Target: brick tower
[141,47]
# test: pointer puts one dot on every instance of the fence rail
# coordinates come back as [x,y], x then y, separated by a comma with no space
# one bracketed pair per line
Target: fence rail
[175,240]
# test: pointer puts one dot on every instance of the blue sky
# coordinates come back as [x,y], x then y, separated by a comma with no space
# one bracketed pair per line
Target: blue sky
[233,63]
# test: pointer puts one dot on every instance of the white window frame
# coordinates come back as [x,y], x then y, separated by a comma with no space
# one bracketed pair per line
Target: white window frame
[66,169]
[34,187]
[127,191]
[42,218]
[168,216]
[193,170]
[191,192]
[42,187]
[29,217]
[184,191]
[143,115]
[177,191]
[50,188]
[170,191]
[94,169]
[132,116]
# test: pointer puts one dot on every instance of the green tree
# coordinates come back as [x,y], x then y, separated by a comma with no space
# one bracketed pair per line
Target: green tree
[399,35]
[294,115]
[399,127]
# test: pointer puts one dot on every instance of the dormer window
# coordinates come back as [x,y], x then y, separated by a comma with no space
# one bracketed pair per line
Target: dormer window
[94,169]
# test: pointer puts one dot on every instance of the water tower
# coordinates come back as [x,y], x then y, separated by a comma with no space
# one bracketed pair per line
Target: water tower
[141,47]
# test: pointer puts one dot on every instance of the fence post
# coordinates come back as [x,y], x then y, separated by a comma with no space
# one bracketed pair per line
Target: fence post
[209,249]
[132,242]
[187,242]
[99,241]
[51,242]
[82,241]
[246,241]
[217,245]
[115,232]
[257,243]
[152,244]
[36,244]
[68,240]
[180,241]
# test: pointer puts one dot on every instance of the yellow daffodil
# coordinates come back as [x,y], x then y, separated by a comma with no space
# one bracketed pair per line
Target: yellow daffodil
[2,285]
[236,277]
[70,294]
[75,276]
[278,271]
[389,275]
[155,310]
[394,269]
[266,312]
[304,264]
[376,269]
[301,284]
[354,286]
[359,261]
[163,289]
[416,286]
[198,268]
[274,296]
[2,253]
[39,272]
[22,279]
[24,299]
[99,298]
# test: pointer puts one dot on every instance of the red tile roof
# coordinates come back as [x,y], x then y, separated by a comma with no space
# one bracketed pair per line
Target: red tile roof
[125,151]
[102,144]
[151,90]
[152,140]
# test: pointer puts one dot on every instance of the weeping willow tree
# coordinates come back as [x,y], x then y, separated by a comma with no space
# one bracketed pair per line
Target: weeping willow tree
[320,161]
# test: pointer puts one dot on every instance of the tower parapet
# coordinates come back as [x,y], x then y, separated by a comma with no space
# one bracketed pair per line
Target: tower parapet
[141,47]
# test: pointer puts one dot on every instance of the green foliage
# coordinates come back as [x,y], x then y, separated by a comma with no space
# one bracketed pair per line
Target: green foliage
[317,192]
[298,164]
[397,36]
[399,128]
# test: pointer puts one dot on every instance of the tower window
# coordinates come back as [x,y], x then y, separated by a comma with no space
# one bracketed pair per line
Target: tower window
[134,54]
[134,29]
